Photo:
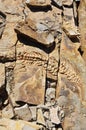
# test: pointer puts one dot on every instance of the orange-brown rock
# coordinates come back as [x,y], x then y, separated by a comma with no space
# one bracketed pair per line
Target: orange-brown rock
[39,58]
[70,65]
[67,2]
[29,83]
[53,64]
[69,22]
[71,85]
[42,57]
[29,29]
[11,8]
[7,43]
[43,29]
[82,27]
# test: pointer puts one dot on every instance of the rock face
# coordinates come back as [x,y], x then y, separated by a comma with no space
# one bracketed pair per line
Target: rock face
[32,89]
[82,26]
[42,64]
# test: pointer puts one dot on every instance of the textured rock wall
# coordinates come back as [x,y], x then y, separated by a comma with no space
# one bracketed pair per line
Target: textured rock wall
[42,57]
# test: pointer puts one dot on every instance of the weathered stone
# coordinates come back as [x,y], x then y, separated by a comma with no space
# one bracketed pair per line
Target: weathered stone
[52,68]
[34,56]
[23,113]
[58,2]
[82,27]
[8,112]
[40,117]
[33,110]
[2,75]
[40,53]
[27,82]
[70,30]
[29,64]
[7,124]
[10,8]
[50,94]
[39,58]
[7,44]
[62,101]
[70,78]
[70,20]
[29,29]
[39,29]
[73,67]
[38,2]
[67,2]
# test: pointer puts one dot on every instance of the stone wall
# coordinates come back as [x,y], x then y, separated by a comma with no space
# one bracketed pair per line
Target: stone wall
[42,57]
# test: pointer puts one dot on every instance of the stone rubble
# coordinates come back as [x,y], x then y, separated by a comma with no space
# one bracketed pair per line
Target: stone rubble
[42,65]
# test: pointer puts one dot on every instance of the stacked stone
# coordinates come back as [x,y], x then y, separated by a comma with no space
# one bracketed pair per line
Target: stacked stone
[42,61]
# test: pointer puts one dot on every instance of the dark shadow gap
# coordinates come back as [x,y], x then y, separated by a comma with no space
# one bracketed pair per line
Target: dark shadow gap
[3,97]
[68,6]
[51,80]
[6,60]
[31,42]
[76,18]
[59,126]
[77,5]
[21,103]
[74,39]
[2,15]
[39,8]
[80,51]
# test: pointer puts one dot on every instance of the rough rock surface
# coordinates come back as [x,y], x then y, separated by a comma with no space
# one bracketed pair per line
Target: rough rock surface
[42,64]
[42,3]
[8,124]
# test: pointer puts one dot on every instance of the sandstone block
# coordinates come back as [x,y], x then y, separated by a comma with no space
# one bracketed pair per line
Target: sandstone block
[30,30]
[70,80]
[7,44]
[7,112]
[29,84]
[23,113]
